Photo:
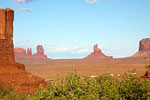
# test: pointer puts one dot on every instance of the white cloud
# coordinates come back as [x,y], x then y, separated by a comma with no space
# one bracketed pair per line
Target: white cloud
[60,49]
[83,51]
[22,1]
[25,9]
[91,1]
[76,42]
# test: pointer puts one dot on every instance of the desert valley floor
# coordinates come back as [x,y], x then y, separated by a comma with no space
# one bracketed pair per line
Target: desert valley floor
[53,69]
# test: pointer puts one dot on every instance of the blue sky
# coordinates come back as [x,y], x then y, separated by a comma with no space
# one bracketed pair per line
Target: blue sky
[70,28]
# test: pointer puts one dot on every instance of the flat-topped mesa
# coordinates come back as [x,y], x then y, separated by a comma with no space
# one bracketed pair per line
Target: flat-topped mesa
[144,45]
[97,54]
[6,35]
[27,53]
[19,52]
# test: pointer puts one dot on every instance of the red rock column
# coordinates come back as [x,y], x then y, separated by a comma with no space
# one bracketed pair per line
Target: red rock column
[6,35]
[29,52]
[40,50]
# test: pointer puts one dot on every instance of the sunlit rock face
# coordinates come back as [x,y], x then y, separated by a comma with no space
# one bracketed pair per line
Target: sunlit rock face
[40,53]
[144,48]
[144,45]
[12,73]
[27,53]
[97,54]
[6,35]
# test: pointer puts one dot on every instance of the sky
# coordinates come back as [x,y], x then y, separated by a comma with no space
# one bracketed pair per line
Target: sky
[68,29]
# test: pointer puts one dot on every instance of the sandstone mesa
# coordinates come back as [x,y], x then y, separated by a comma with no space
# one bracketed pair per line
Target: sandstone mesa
[27,53]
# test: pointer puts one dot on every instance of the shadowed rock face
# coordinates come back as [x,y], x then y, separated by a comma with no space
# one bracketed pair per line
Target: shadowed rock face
[144,45]
[13,73]
[97,54]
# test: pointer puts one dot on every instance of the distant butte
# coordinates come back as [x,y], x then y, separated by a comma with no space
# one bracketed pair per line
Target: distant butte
[144,48]
[27,53]
[97,54]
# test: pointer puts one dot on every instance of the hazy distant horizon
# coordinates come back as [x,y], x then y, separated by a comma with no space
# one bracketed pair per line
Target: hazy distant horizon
[70,28]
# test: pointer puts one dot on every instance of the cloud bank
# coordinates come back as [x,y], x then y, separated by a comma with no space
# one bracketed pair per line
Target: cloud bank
[25,9]
[91,1]
[23,1]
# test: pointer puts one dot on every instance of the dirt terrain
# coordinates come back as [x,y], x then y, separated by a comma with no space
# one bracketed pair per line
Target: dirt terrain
[53,69]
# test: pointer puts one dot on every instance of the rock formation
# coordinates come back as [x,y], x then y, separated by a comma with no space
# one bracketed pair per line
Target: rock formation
[27,53]
[40,53]
[20,52]
[97,54]
[6,35]
[13,73]
[144,48]
[144,45]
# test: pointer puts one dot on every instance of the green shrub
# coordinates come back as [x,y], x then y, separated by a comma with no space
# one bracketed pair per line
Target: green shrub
[104,87]
[10,94]
[75,87]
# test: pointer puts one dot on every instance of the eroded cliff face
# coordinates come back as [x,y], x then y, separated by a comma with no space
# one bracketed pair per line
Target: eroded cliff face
[13,73]
[97,54]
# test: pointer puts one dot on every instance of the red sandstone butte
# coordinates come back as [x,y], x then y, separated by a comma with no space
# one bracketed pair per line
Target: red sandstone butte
[27,53]
[144,48]
[97,54]
[13,73]
[40,53]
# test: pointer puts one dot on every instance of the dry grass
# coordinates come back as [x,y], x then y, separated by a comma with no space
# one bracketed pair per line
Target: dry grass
[53,69]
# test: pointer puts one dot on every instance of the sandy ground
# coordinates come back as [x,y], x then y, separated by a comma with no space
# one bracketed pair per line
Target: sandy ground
[53,69]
